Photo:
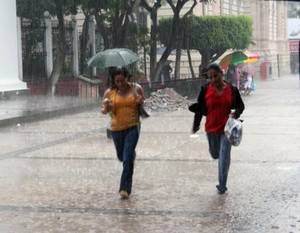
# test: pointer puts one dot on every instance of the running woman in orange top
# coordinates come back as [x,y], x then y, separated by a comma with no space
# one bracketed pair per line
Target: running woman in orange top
[122,101]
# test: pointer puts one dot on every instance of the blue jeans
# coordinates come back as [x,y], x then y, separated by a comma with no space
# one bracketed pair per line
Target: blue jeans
[125,142]
[219,148]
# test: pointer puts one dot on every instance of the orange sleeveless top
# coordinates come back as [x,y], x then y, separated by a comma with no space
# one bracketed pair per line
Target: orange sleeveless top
[125,111]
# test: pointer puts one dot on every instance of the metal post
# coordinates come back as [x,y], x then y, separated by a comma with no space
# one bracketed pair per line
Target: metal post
[75,40]
[92,40]
[48,44]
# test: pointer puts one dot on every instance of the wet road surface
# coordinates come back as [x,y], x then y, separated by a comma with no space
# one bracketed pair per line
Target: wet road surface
[62,174]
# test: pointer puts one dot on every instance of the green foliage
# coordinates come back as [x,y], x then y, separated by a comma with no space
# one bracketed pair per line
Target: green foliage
[34,9]
[110,13]
[213,32]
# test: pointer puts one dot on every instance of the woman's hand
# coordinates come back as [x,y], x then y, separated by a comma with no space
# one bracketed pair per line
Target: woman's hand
[106,103]
[195,129]
[139,94]
[139,99]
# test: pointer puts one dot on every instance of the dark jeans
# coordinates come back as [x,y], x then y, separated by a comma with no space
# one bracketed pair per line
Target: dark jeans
[219,148]
[125,142]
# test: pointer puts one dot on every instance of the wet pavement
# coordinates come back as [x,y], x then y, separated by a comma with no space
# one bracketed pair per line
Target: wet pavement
[25,108]
[62,175]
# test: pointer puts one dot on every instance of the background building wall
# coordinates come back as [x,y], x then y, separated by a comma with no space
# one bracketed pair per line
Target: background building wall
[270,35]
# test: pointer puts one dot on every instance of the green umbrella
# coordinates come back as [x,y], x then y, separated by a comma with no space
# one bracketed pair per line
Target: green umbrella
[118,57]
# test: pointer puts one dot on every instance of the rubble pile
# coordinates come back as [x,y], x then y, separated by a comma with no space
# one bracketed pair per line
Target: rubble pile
[166,100]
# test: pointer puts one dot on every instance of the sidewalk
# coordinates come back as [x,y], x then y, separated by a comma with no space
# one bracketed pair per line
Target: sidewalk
[62,174]
[20,109]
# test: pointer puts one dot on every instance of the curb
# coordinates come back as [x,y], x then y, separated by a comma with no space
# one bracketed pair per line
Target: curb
[39,116]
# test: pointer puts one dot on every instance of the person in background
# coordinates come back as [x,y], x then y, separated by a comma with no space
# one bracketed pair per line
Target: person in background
[121,100]
[231,75]
[215,101]
[248,84]
[166,72]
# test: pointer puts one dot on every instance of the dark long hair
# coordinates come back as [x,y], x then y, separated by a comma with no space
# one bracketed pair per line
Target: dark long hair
[219,83]
[114,71]
[215,67]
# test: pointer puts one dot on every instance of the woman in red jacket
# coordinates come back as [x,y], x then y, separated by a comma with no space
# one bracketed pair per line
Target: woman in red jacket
[215,101]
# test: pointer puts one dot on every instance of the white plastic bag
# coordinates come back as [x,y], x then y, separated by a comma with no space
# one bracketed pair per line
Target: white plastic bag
[233,131]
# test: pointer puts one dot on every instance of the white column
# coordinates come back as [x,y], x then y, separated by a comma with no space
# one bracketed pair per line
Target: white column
[92,40]
[75,37]
[9,55]
[48,44]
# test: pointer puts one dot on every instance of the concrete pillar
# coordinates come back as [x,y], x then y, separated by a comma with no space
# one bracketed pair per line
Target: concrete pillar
[48,44]
[92,39]
[10,55]
[75,39]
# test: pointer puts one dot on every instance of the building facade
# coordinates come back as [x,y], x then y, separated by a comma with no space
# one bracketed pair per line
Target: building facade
[270,36]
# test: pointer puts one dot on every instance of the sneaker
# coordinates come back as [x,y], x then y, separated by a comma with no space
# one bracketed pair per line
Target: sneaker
[221,190]
[124,194]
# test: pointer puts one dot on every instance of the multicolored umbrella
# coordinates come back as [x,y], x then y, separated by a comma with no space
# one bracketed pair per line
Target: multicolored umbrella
[231,57]
[236,57]
[252,57]
[118,57]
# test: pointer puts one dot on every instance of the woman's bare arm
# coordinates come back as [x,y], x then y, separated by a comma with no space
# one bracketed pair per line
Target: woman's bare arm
[106,103]
[140,92]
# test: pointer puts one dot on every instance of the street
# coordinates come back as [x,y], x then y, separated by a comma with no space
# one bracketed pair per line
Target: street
[62,174]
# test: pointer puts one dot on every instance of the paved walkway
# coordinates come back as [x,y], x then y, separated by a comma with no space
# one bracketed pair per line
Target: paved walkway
[20,109]
[61,175]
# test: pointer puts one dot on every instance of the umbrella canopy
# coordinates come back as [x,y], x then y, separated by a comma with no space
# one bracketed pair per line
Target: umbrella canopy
[250,60]
[236,57]
[252,57]
[118,57]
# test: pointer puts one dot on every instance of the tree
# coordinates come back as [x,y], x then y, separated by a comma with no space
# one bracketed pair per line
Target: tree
[175,25]
[113,19]
[60,55]
[187,36]
[143,41]
[174,29]
[86,7]
[152,10]
[212,35]
[61,8]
